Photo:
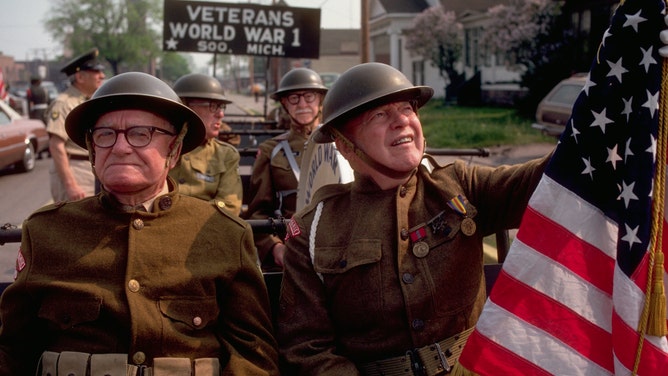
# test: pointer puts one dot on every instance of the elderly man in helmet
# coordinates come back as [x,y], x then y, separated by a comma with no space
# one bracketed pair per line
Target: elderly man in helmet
[211,171]
[391,263]
[275,175]
[137,280]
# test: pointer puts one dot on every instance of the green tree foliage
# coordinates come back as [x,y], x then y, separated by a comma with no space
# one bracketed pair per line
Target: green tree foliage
[125,31]
[438,37]
[174,65]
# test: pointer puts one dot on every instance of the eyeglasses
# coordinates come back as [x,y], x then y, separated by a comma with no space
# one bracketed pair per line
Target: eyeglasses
[214,107]
[137,136]
[309,97]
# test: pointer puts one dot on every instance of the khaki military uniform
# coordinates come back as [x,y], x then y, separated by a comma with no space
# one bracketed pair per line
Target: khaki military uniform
[79,162]
[181,281]
[211,172]
[392,270]
[273,186]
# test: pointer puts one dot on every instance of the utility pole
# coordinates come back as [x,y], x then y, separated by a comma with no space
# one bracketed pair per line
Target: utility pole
[364,35]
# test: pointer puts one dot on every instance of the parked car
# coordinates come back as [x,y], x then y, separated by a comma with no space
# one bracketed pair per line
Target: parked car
[21,139]
[554,111]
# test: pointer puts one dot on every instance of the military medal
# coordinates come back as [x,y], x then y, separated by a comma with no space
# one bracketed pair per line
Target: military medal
[458,204]
[420,247]
[468,226]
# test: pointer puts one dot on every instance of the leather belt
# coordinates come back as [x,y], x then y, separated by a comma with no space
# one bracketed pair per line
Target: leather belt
[76,157]
[435,359]
[69,363]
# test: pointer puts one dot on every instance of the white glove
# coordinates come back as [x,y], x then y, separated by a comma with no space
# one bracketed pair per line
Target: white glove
[663,51]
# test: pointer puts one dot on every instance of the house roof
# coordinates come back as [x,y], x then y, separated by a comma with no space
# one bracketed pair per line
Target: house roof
[460,6]
[404,6]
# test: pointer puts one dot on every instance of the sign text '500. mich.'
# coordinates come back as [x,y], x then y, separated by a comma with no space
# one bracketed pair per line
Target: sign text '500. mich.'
[241,29]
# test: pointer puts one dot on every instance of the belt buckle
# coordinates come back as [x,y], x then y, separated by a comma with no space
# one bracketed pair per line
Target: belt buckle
[416,363]
[442,358]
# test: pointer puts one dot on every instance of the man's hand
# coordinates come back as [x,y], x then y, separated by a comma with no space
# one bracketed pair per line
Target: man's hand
[663,51]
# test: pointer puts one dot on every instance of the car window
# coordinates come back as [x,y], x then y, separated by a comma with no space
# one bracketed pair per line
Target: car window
[4,117]
[566,94]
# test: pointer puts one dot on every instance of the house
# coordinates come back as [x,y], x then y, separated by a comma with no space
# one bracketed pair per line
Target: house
[389,19]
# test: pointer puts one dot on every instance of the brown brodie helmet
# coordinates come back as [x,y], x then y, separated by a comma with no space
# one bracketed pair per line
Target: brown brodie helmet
[299,79]
[200,86]
[361,88]
[135,91]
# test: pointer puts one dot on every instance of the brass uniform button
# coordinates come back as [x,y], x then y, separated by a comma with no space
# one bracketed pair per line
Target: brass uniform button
[197,321]
[133,285]
[220,204]
[404,234]
[138,224]
[402,191]
[139,357]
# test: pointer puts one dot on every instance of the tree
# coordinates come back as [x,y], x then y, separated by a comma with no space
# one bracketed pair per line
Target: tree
[174,65]
[533,37]
[438,37]
[123,30]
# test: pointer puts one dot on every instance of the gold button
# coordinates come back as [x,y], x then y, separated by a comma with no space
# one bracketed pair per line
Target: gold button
[220,204]
[197,321]
[133,285]
[138,224]
[139,357]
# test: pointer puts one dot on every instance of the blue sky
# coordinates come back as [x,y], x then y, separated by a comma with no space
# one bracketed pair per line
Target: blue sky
[23,36]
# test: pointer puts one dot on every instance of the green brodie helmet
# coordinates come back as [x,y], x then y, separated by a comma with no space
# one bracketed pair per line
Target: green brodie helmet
[299,79]
[200,86]
[361,88]
[135,91]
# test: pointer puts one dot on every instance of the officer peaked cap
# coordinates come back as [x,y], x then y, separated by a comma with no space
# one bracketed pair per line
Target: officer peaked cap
[84,62]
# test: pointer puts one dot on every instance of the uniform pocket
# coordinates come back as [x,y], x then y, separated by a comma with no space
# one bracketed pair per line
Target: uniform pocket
[196,312]
[66,311]
[353,280]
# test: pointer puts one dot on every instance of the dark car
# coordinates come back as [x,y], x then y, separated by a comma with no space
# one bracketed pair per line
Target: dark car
[21,139]
[554,111]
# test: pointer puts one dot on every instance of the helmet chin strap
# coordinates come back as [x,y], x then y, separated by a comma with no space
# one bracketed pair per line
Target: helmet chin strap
[387,171]
[177,142]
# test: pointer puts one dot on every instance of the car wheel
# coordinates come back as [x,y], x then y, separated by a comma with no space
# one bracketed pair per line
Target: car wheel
[28,161]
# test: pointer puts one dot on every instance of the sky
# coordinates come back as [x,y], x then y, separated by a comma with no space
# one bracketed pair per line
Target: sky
[23,36]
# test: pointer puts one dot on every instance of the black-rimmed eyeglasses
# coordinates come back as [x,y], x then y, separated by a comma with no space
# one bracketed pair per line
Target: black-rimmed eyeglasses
[214,107]
[309,97]
[137,136]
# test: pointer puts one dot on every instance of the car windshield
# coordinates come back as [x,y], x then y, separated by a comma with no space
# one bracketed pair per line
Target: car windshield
[566,94]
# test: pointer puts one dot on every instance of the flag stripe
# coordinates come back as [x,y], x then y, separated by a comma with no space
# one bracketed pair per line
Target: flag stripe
[568,249]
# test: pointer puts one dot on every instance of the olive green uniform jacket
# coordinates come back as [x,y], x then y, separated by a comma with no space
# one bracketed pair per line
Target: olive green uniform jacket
[273,186]
[363,294]
[181,281]
[211,172]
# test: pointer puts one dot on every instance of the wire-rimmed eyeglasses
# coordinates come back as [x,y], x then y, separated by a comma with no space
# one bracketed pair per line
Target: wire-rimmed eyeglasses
[137,136]
[214,107]
[309,97]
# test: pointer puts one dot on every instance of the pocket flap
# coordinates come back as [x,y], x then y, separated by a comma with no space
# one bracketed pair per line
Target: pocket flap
[196,312]
[336,260]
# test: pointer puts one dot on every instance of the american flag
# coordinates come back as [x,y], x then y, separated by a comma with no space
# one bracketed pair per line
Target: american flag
[570,297]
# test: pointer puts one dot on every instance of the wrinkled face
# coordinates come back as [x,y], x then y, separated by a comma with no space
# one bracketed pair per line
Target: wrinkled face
[303,106]
[390,134]
[127,170]
[211,113]
[89,80]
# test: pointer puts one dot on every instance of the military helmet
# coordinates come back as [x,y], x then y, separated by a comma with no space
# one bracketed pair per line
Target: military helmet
[197,85]
[299,79]
[135,91]
[363,87]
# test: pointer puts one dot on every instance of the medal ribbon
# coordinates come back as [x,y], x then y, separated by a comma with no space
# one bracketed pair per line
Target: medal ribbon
[418,232]
[458,204]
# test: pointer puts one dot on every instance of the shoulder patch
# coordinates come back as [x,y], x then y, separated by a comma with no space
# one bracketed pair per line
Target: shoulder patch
[292,230]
